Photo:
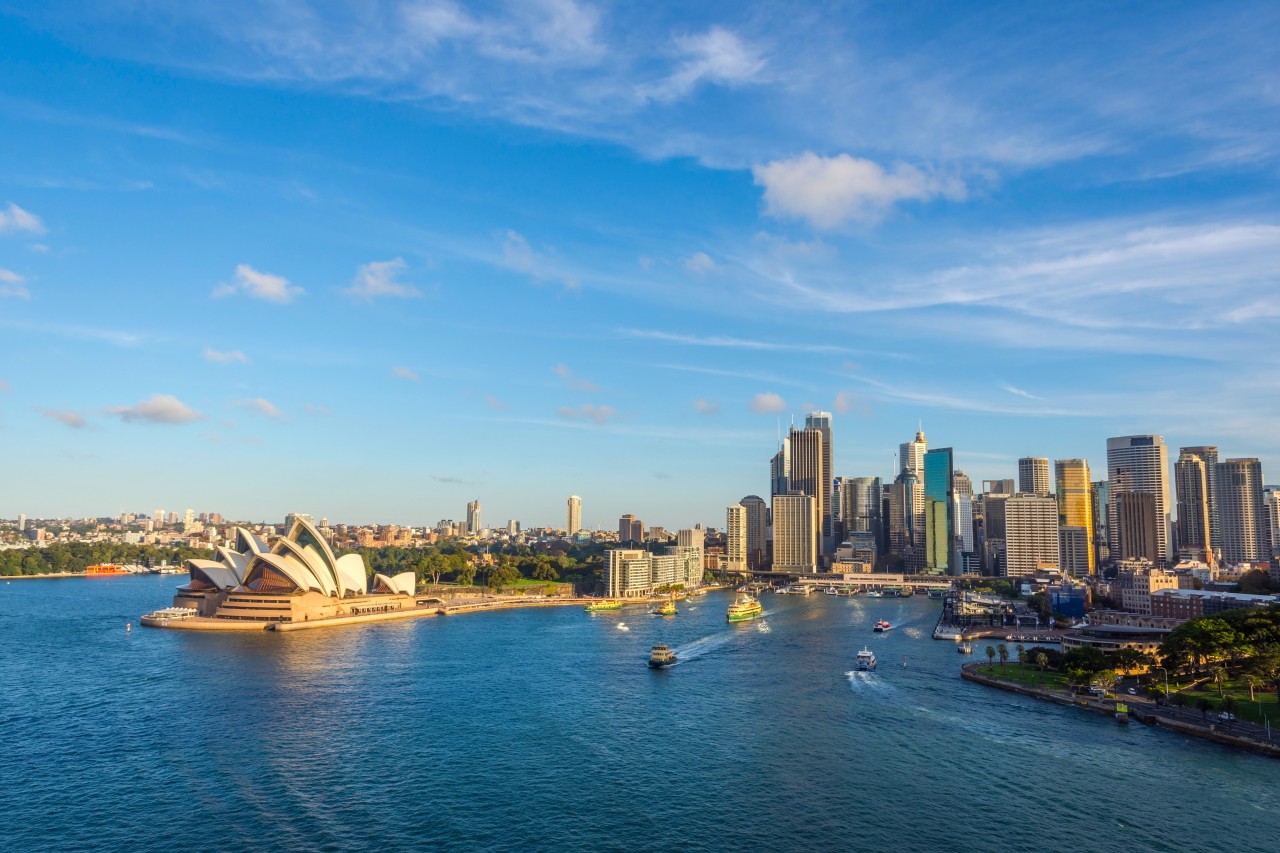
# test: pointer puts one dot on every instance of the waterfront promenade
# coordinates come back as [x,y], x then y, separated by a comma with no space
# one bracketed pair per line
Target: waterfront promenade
[1237,733]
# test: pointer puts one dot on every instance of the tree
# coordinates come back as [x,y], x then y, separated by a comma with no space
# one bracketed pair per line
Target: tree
[1178,700]
[1254,681]
[1018,649]
[1041,660]
[1003,651]
[1219,676]
[1204,706]
[991,655]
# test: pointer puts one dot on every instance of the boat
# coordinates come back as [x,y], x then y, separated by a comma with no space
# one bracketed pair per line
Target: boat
[106,569]
[831,590]
[1122,712]
[866,660]
[875,594]
[667,608]
[745,609]
[661,655]
[606,604]
[881,627]
[937,592]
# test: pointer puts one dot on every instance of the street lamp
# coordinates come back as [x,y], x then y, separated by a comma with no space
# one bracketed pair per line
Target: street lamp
[1166,682]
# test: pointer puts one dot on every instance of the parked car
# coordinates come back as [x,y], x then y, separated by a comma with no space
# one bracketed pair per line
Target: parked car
[1132,692]
[1226,717]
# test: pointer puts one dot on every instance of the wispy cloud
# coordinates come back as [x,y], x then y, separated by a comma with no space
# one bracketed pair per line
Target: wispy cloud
[15,220]
[699,263]
[1018,392]
[259,285]
[767,403]
[77,333]
[706,407]
[75,420]
[519,255]
[263,407]
[494,403]
[724,342]
[597,414]
[11,285]
[449,481]
[158,409]
[717,56]
[830,191]
[234,356]
[312,409]
[377,278]
[577,383]
[406,373]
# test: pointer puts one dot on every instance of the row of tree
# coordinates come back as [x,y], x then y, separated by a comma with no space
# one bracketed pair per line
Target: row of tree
[65,557]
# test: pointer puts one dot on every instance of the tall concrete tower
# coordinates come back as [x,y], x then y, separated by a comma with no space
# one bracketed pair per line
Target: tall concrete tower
[809,474]
[1140,463]
[1075,516]
[821,421]
[573,516]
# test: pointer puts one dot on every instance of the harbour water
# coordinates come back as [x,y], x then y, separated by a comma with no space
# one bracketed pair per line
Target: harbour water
[544,729]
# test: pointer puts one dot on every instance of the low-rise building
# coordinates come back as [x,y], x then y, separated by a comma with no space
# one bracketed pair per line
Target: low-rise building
[633,573]
[1193,603]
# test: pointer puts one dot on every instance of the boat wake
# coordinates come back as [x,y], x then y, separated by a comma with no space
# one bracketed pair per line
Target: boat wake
[914,633]
[705,645]
[865,681]
[622,626]
[763,626]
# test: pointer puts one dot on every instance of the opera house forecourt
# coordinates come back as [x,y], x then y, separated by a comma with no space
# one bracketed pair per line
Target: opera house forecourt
[293,582]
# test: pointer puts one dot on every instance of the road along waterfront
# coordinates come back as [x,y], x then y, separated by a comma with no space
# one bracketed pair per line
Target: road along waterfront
[544,729]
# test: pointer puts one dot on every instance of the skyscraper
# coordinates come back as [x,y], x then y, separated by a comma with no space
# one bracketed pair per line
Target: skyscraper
[630,529]
[1140,463]
[1030,533]
[780,471]
[22,522]
[821,421]
[1075,516]
[735,538]
[1138,525]
[1100,498]
[962,511]
[1033,475]
[809,474]
[1242,514]
[795,533]
[1191,483]
[861,497]
[473,517]
[573,516]
[911,455]
[1209,455]
[757,530]
[939,478]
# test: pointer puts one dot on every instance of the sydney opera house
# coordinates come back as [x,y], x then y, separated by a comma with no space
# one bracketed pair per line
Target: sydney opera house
[296,578]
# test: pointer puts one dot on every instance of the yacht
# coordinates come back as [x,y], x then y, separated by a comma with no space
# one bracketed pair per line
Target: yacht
[745,609]
[661,655]
[866,660]
[881,627]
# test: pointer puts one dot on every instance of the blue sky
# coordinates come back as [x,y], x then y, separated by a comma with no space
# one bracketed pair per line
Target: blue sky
[372,260]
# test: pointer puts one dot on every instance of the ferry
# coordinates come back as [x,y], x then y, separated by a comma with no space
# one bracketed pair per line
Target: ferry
[107,569]
[745,609]
[866,660]
[661,655]
[607,604]
[881,627]
[937,592]
[667,608]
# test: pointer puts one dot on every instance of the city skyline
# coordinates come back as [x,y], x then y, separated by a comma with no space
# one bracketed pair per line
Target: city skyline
[543,250]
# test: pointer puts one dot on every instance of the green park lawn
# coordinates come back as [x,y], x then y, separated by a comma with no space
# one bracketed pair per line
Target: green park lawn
[1263,704]
[1026,674]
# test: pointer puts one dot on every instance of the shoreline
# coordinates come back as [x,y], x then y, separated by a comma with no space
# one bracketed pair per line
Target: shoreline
[1137,710]
[51,575]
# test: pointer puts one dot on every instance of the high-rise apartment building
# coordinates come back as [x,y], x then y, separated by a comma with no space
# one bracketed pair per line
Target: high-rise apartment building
[474,525]
[735,538]
[757,531]
[1075,516]
[1191,484]
[1140,463]
[1138,524]
[22,522]
[573,516]
[939,474]
[1209,455]
[1241,511]
[795,533]
[809,474]
[962,512]
[1033,475]
[1030,534]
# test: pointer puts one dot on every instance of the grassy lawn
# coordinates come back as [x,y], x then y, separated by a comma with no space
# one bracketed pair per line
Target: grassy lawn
[1026,674]
[1263,704]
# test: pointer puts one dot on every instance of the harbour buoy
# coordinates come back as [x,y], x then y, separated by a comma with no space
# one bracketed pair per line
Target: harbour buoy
[128,626]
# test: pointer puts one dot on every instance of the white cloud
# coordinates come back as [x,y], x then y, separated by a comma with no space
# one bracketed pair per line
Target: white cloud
[406,373]
[843,402]
[706,407]
[598,414]
[234,356]
[312,409]
[378,279]
[263,407]
[11,285]
[159,409]
[720,341]
[259,285]
[717,56]
[14,219]
[494,403]
[699,263]
[75,420]
[1018,392]
[767,403]
[830,191]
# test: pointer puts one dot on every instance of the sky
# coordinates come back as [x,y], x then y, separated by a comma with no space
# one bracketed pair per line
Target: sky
[371,260]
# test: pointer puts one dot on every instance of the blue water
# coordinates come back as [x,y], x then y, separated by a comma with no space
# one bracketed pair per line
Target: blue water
[543,729]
